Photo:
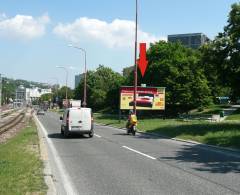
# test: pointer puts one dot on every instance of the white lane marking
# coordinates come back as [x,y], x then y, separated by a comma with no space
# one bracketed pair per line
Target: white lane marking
[66,179]
[153,158]
[99,136]
[115,128]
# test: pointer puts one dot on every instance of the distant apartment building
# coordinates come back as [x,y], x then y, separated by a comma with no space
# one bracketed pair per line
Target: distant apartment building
[78,79]
[35,93]
[192,40]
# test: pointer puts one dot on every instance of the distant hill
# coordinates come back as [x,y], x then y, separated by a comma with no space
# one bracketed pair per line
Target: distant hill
[25,83]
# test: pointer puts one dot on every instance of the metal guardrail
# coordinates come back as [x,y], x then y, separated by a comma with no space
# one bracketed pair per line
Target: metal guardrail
[13,121]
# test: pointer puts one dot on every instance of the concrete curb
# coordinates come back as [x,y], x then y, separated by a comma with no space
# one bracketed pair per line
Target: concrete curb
[48,176]
[226,151]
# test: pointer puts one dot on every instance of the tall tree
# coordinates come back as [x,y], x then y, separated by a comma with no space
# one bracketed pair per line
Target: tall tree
[232,36]
[222,57]
[102,88]
[176,67]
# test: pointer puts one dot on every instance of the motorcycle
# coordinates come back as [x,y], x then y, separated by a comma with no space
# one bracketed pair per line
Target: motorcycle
[132,125]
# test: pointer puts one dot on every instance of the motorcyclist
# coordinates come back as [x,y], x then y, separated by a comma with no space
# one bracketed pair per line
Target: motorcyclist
[132,119]
[129,118]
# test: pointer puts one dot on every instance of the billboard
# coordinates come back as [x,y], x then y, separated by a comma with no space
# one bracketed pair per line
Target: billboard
[147,98]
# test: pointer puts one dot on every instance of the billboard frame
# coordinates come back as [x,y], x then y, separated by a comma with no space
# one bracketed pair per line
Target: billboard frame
[147,101]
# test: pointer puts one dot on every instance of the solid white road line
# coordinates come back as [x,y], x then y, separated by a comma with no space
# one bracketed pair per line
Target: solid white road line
[66,179]
[99,136]
[153,158]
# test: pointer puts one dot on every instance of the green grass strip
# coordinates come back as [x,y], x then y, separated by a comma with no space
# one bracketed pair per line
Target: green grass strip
[21,170]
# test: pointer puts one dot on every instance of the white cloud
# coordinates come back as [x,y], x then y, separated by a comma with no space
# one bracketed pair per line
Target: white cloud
[23,26]
[118,33]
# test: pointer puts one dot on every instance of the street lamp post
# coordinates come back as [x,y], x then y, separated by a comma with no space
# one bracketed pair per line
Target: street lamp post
[66,79]
[85,74]
[135,61]
[56,79]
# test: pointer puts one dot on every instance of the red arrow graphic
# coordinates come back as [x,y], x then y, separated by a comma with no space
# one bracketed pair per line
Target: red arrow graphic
[142,62]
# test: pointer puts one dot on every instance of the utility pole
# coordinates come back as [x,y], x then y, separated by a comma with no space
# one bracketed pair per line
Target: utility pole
[135,62]
[85,81]
[0,98]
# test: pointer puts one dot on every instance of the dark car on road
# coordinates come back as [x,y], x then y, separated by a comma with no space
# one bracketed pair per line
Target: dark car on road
[40,112]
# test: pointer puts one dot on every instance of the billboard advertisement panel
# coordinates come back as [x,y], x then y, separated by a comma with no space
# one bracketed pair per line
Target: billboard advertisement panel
[147,98]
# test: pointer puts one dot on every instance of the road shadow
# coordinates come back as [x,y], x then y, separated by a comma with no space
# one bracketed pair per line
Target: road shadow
[71,136]
[146,136]
[207,160]
[122,134]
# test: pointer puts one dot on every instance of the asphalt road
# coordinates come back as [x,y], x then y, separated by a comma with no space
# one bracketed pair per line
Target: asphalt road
[115,163]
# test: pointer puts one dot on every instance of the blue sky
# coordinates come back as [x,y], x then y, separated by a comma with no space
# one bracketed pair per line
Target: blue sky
[34,34]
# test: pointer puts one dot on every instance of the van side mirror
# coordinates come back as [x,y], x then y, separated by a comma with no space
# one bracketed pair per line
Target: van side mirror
[61,118]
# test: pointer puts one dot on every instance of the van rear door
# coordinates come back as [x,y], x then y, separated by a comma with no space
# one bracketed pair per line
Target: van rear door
[80,119]
[86,119]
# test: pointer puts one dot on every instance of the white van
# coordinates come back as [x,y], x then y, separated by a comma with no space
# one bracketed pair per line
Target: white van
[77,120]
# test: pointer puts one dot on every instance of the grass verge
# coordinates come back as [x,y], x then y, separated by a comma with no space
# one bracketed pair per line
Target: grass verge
[225,134]
[21,170]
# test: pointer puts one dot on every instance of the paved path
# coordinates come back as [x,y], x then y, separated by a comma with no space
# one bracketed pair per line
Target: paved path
[228,111]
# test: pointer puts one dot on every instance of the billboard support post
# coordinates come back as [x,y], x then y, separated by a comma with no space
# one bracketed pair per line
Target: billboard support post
[135,63]
[119,112]
[119,116]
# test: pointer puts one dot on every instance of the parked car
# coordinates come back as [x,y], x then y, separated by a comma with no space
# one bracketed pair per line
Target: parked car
[77,120]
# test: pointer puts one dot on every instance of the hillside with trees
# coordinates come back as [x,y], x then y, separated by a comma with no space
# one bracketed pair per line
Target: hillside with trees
[9,87]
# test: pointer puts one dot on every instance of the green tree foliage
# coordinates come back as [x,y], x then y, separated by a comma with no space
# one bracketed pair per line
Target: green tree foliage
[176,67]
[231,46]
[8,91]
[215,65]
[46,97]
[102,88]
[221,58]
[62,93]
[59,94]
